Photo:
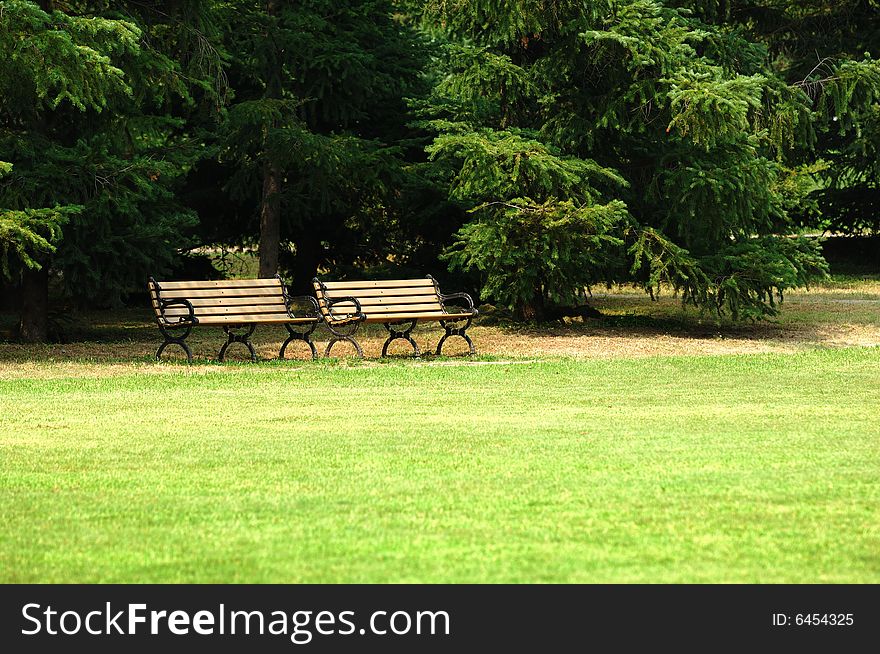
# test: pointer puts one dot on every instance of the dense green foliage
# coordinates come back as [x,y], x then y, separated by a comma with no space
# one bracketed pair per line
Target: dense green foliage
[536,148]
[826,49]
[319,109]
[711,149]
[93,104]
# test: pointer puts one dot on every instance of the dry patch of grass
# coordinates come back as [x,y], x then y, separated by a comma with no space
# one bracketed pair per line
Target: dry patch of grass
[604,343]
[841,313]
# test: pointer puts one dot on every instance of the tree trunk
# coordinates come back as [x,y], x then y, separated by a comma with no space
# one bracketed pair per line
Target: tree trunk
[270,221]
[10,292]
[532,310]
[306,262]
[270,205]
[34,325]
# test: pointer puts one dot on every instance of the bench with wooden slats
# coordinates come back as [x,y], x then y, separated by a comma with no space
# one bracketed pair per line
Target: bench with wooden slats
[394,303]
[234,305]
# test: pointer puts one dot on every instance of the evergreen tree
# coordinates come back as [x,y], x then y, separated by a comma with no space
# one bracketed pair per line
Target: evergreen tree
[86,122]
[627,141]
[315,125]
[828,49]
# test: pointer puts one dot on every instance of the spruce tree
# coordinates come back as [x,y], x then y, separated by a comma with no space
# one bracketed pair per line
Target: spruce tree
[828,49]
[628,140]
[314,126]
[88,94]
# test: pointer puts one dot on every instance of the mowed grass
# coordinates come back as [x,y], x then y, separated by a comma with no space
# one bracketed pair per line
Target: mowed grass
[750,468]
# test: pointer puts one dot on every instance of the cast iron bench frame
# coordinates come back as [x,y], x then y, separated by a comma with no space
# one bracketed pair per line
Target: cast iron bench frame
[394,303]
[234,305]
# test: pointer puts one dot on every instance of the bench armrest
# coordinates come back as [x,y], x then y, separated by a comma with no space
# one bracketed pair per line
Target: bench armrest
[357,314]
[459,296]
[307,300]
[178,302]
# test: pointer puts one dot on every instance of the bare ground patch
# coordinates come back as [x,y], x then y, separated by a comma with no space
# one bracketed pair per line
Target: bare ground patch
[120,343]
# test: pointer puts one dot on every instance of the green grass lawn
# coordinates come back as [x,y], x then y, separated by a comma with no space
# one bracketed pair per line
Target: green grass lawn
[759,468]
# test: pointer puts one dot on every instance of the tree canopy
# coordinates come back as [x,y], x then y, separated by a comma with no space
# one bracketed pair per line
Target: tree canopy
[531,149]
[660,143]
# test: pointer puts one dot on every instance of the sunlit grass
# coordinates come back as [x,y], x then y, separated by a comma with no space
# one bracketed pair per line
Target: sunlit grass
[695,469]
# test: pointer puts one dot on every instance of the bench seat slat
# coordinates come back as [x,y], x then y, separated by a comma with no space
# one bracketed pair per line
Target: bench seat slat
[271,319]
[392,302]
[269,303]
[386,302]
[437,315]
[247,301]
[433,307]
[225,311]
[392,317]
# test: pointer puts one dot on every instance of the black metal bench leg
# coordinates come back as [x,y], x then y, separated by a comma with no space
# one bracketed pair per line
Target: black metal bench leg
[244,338]
[174,341]
[340,334]
[456,331]
[171,339]
[394,334]
[300,336]
[337,339]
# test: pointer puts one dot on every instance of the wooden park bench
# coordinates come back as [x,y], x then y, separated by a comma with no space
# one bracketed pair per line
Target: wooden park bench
[394,303]
[236,305]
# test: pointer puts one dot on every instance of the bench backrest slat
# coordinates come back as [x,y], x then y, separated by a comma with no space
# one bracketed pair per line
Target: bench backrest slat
[381,283]
[367,293]
[221,293]
[270,282]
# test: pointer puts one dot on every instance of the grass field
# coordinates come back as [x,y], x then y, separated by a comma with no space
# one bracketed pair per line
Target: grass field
[729,468]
